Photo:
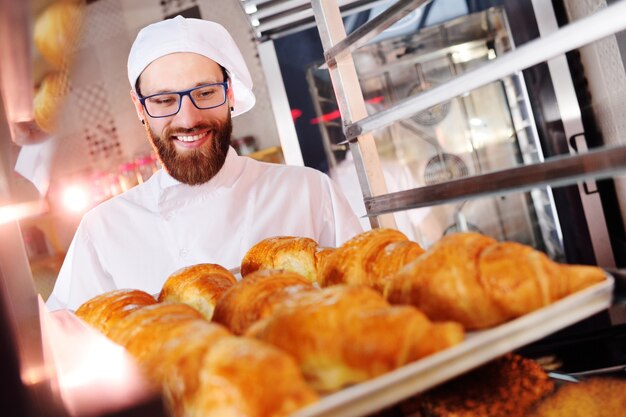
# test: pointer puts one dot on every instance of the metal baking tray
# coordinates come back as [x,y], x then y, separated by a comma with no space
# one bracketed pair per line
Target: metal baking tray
[478,348]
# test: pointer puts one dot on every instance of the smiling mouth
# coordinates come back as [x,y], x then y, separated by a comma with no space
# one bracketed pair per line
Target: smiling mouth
[190,138]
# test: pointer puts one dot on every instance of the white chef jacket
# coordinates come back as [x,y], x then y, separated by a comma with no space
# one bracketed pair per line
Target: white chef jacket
[137,239]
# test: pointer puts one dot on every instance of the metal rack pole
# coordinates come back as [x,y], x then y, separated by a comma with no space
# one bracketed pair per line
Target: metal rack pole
[352,106]
[555,172]
[571,115]
[369,30]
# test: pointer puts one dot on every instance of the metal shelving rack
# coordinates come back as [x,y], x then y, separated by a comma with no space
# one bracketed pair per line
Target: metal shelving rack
[358,126]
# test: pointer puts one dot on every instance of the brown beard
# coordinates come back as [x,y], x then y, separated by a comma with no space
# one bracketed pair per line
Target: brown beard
[195,166]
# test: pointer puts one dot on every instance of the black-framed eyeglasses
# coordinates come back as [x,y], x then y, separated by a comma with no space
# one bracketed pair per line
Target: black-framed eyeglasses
[204,97]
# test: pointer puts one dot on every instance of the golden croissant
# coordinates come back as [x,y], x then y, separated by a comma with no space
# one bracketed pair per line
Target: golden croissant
[255,297]
[198,286]
[104,311]
[296,254]
[369,258]
[144,330]
[245,377]
[344,334]
[204,370]
[479,282]
[177,367]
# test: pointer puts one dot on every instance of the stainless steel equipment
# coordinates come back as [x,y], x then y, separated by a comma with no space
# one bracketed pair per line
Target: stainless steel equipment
[485,130]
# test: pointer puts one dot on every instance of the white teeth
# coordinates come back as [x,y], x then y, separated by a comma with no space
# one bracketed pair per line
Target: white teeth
[190,138]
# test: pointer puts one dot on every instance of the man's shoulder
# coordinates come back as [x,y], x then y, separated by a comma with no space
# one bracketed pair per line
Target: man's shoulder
[271,169]
[137,196]
[104,208]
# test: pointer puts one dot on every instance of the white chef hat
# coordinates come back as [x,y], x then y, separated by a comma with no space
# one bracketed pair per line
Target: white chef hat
[202,37]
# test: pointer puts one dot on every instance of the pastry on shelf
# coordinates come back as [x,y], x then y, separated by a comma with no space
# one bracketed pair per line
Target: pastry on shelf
[204,370]
[155,341]
[104,311]
[199,286]
[144,330]
[48,101]
[593,397]
[508,386]
[369,258]
[239,376]
[297,254]
[256,296]
[177,367]
[480,282]
[57,31]
[343,334]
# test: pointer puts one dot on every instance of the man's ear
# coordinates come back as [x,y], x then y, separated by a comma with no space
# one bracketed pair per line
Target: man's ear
[138,106]
[229,95]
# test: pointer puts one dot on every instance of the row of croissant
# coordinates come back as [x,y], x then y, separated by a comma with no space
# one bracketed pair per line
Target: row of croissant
[305,321]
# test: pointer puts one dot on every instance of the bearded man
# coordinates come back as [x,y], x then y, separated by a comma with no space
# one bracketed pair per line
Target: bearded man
[207,204]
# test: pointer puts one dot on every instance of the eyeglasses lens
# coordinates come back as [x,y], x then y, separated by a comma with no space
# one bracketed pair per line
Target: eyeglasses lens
[203,97]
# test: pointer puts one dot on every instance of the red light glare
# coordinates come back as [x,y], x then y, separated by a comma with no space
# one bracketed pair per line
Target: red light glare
[335,114]
[295,114]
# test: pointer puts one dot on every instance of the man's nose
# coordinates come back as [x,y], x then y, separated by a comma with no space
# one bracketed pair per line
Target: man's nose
[188,115]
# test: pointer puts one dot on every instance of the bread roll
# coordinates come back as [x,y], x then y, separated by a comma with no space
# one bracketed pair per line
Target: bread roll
[594,397]
[106,310]
[142,331]
[199,286]
[245,377]
[521,279]
[343,335]
[322,256]
[49,99]
[508,386]
[206,371]
[478,282]
[255,296]
[393,257]
[177,367]
[369,258]
[57,30]
[296,254]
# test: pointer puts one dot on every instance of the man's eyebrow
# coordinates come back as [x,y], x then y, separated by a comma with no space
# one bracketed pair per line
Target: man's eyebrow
[166,90]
